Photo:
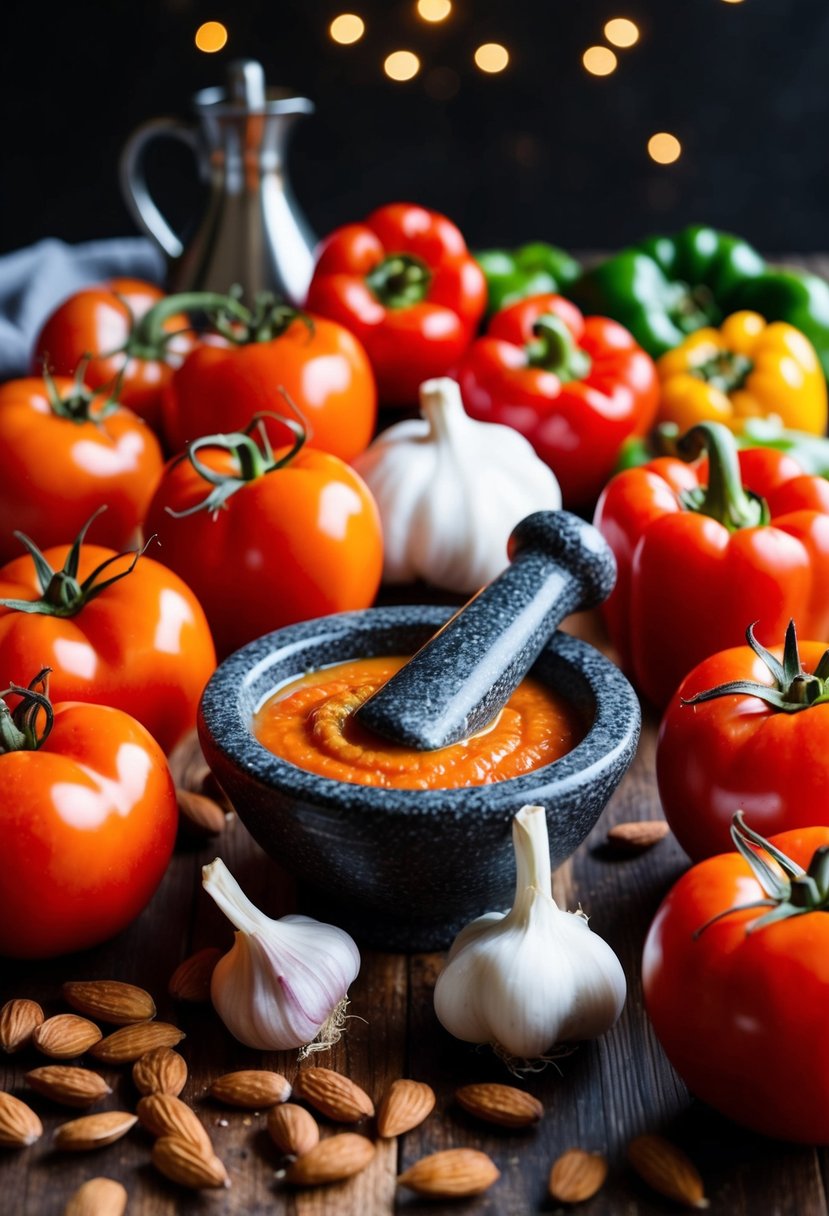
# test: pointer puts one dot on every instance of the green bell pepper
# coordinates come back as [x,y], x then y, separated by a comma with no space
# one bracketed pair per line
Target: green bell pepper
[668,286]
[532,270]
[786,294]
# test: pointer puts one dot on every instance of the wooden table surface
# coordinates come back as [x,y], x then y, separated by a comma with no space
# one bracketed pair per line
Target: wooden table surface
[596,1099]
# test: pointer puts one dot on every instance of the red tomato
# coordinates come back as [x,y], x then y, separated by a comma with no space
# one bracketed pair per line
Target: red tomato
[88,822]
[737,751]
[740,1008]
[106,322]
[291,542]
[62,455]
[142,645]
[320,367]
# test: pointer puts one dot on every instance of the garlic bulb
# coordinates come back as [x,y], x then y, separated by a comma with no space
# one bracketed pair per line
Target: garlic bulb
[450,490]
[533,977]
[283,983]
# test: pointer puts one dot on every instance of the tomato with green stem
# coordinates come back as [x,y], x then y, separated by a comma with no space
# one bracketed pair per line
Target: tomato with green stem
[735,974]
[261,355]
[114,629]
[748,727]
[267,537]
[88,819]
[66,450]
[123,331]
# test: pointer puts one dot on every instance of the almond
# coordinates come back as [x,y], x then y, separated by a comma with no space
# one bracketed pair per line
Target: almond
[200,815]
[251,1088]
[166,1115]
[667,1170]
[501,1104]
[405,1105]
[451,1173]
[160,1071]
[191,979]
[94,1131]
[98,1197]
[69,1085]
[181,1161]
[109,1001]
[637,836]
[331,1160]
[18,1021]
[65,1035]
[131,1042]
[333,1095]
[577,1176]
[293,1129]
[19,1125]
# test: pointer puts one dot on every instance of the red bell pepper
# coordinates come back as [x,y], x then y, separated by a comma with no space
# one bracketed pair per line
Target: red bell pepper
[405,284]
[699,554]
[575,386]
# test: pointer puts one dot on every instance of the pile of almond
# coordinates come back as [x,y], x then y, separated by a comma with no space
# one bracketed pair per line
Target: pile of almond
[183,1150]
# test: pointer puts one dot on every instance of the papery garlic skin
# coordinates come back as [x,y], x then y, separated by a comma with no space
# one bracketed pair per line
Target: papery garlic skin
[533,977]
[282,980]
[450,490]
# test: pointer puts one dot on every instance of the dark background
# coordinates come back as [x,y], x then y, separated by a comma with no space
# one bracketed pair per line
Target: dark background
[542,150]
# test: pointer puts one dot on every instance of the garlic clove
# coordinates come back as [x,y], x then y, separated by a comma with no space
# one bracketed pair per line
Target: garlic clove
[450,490]
[283,984]
[535,977]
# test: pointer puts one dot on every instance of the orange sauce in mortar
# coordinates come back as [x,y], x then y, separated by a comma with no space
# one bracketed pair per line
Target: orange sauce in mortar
[310,722]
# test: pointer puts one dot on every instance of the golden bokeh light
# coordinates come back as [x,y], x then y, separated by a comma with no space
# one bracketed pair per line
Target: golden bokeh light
[599,61]
[434,10]
[401,65]
[211,36]
[347,28]
[664,148]
[491,57]
[621,32]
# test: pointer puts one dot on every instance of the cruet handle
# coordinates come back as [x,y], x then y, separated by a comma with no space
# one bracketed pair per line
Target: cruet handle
[134,187]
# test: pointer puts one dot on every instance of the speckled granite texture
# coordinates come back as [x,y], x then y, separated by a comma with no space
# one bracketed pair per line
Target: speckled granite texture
[458,682]
[405,869]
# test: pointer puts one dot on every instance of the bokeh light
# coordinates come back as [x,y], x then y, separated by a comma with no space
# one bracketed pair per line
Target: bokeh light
[664,148]
[434,10]
[211,36]
[401,65]
[599,60]
[491,57]
[347,28]
[621,32]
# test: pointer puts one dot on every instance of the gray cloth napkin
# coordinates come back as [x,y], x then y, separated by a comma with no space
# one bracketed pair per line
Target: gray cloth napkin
[34,280]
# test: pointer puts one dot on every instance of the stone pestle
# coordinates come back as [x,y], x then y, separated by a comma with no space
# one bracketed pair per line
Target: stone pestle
[460,679]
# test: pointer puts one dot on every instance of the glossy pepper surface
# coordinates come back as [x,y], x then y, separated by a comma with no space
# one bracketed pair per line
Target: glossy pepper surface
[746,368]
[664,288]
[532,270]
[575,386]
[701,549]
[787,294]
[406,285]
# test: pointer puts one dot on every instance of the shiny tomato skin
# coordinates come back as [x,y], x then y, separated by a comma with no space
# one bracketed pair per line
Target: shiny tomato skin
[143,645]
[88,823]
[98,321]
[319,364]
[299,542]
[737,752]
[742,1016]
[56,471]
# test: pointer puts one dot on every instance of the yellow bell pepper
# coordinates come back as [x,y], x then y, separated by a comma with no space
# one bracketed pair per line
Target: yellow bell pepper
[745,369]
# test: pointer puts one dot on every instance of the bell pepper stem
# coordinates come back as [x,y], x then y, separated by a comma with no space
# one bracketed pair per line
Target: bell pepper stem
[554,349]
[725,498]
[401,280]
